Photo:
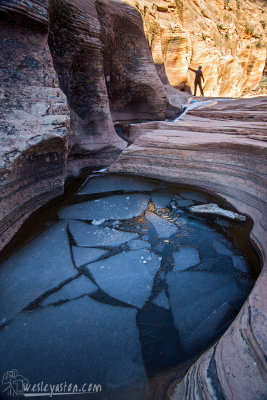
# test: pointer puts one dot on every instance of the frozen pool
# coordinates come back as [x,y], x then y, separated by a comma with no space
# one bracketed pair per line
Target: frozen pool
[123,284]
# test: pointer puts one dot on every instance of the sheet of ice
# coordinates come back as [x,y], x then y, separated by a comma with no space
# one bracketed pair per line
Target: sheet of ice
[162,300]
[164,228]
[240,263]
[195,196]
[85,255]
[187,287]
[101,184]
[189,311]
[79,341]
[184,203]
[208,329]
[127,276]
[221,248]
[72,290]
[138,245]
[186,257]
[41,265]
[90,235]
[112,207]
[161,200]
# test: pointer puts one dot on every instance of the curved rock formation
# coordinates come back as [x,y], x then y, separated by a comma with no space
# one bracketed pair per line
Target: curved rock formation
[220,148]
[34,119]
[106,70]
[226,37]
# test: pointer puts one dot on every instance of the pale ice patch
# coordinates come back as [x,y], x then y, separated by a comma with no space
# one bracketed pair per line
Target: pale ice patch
[221,248]
[90,236]
[215,209]
[185,258]
[40,265]
[127,276]
[112,207]
[71,290]
[161,200]
[164,228]
[162,300]
[79,341]
[85,255]
[101,184]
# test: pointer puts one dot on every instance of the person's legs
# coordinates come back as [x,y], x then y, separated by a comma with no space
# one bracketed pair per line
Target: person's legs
[201,89]
[195,91]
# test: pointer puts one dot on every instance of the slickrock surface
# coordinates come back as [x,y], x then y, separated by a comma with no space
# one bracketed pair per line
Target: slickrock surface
[226,37]
[34,120]
[221,148]
[107,72]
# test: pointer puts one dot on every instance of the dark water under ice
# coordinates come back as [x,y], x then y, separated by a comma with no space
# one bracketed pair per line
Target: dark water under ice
[115,283]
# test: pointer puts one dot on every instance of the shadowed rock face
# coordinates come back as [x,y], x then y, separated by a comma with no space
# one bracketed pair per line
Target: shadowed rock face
[226,37]
[106,70]
[34,119]
[220,148]
[77,50]
[99,51]
[134,88]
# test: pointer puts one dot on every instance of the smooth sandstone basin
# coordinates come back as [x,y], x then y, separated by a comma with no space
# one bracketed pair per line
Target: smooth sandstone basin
[221,150]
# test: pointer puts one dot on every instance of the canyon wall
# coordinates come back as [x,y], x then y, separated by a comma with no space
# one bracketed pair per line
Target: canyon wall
[106,70]
[221,148]
[98,57]
[226,37]
[34,121]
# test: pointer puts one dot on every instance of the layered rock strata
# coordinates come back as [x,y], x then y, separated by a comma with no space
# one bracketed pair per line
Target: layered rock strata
[34,119]
[221,148]
[226,37]
[106,71]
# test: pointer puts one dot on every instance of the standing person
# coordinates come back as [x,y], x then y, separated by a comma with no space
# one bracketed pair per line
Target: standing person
[199,75]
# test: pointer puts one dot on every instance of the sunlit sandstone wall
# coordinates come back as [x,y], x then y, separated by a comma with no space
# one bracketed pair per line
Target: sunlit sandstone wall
[226,37]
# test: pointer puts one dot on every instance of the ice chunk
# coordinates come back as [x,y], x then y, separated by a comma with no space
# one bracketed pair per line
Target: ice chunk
[164,228]
[215,209]
[184,258]
[42,264]
[221,248]
[240,263]
[162,300]
[161,200]
[111,183]
[127,276]
[98,221]
[184,203]
[89,235]
[195,196]
[72,290]
[209,328]
[112,207]
[77,340]
[193,296]
[189,286]
[138,245]
[84,255]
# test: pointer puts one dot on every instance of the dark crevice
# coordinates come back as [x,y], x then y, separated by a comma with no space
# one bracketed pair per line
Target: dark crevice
[213,375]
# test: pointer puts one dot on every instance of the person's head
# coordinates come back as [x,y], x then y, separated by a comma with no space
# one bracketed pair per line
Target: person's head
[200,67]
